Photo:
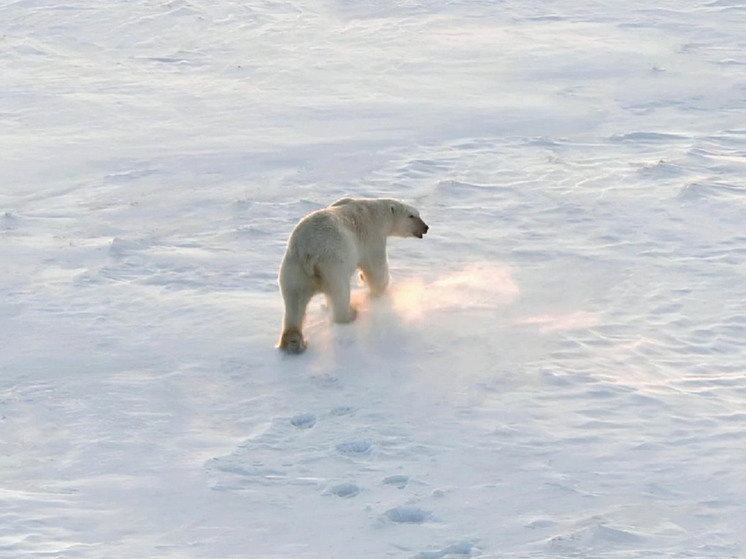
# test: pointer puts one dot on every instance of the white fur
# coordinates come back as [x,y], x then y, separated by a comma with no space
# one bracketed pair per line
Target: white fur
[325,249]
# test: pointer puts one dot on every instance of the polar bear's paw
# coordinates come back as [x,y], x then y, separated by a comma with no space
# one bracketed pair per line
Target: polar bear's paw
[341,318]
[352,316]
[292,341]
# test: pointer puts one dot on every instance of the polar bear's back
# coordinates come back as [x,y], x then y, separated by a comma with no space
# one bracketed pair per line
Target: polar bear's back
[323,237]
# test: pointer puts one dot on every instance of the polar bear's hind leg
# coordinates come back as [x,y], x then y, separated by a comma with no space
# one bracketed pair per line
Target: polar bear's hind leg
[336,287]
[292,341]
[296,300]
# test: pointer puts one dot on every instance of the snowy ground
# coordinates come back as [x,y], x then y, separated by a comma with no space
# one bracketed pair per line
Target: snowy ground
[557,371]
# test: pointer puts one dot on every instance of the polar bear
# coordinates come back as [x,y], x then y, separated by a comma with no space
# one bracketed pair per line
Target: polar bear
[325,249]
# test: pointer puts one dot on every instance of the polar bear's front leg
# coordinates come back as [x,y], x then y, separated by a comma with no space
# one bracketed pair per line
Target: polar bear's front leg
[377,282]
[376,277]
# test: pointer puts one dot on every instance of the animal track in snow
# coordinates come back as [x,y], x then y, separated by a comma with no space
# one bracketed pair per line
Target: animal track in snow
[408,515]
[460,549]
[344,490]
[354,447]
[342,410]
[398,481]
[303,420]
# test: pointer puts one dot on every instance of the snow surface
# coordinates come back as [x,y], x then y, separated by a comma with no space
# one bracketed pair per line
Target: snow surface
[557,370]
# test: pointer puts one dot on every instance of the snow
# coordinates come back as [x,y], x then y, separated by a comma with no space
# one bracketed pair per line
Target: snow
[556,371]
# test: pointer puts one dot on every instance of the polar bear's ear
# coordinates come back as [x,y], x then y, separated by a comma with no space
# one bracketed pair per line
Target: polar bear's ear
[341,202]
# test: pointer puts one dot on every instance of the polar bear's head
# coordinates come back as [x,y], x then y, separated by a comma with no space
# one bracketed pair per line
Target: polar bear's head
[406,220]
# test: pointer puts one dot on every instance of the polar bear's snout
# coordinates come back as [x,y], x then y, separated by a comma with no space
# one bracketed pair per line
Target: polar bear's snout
[420,228]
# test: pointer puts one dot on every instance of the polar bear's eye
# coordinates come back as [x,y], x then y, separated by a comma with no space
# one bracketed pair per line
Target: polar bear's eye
[411,216]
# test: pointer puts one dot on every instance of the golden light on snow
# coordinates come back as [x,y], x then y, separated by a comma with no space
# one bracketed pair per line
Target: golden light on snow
[479,285]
